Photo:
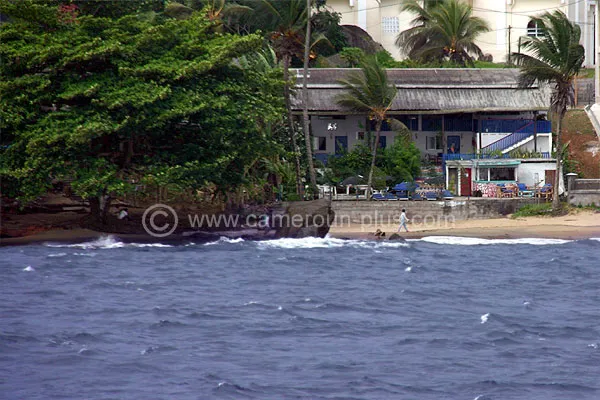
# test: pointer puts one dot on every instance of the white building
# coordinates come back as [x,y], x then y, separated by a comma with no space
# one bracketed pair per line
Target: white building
[507,19]
[475,123]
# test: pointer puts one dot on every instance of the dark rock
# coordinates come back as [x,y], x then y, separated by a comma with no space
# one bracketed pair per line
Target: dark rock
[396,237]
[358,37]
[304,219]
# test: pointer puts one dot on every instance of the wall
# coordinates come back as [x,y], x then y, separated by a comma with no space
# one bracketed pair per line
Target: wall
[425,211]
[345,127]
[527,170]
[584,197]
[544,144]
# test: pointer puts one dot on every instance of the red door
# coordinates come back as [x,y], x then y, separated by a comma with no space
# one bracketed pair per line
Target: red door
[465,182]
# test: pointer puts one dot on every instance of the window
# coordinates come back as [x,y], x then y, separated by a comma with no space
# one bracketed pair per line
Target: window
[322,144]
[433,143]
[390,24]
[534,29]
[411,121]
[502,174]
[432,123]
[382,142]
[459,123]
[360,135]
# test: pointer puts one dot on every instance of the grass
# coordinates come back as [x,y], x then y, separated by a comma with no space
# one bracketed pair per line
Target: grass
[587,73]
[579,132]
[533,210]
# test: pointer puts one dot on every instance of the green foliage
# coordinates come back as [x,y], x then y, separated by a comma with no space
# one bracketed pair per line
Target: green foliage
[110,101]
[443,31]
[555,58]
[532,210]
[402,160]
[353,56]
[327,23]
[350,163]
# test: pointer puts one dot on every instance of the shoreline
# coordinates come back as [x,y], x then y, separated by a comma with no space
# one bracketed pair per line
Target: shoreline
[576,226]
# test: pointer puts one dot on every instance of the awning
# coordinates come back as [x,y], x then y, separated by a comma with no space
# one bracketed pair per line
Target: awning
[497,163]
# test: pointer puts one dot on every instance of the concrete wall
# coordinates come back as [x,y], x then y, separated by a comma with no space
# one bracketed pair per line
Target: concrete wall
[544,144]
[429,212]
[584,197]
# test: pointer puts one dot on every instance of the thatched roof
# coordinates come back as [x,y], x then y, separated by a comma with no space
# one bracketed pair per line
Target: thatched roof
[431,91]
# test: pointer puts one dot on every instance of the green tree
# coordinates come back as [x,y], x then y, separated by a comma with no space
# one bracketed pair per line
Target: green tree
[109,102]
[402,160]
[555,58]
[353,56]
[369,92]
[443,31]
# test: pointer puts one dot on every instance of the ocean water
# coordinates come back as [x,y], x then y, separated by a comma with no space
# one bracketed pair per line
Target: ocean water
[437,318]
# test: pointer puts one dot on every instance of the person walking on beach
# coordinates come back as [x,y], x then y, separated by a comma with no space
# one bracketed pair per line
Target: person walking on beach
[403,220]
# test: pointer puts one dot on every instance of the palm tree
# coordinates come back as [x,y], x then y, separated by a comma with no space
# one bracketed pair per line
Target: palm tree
[285,21]
[305,118]
[369,93]
[443,30]
[555,58]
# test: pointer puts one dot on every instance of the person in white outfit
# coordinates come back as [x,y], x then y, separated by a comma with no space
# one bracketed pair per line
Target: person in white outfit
[403,220]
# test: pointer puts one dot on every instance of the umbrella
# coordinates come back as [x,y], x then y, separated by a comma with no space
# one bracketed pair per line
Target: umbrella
[353,180]
[404,186]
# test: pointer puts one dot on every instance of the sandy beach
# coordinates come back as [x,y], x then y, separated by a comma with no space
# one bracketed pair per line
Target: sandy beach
[578,225]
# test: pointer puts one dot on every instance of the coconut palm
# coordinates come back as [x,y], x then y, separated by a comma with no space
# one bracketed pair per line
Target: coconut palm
[368,92]
[556,58]
[286,23]
[441,31]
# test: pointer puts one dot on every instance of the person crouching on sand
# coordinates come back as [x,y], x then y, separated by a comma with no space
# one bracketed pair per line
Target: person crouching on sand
[403,220]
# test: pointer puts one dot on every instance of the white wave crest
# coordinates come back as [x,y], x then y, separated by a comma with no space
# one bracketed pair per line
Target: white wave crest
[224,239]
[149,245]
[469,241]
[29,268]
[484,318]
[328,242]
[596,239]
[105,242]
[304,243]
[57,255]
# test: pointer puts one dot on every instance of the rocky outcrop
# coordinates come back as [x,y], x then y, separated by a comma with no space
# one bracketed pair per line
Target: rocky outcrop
[303,219]
[358,37]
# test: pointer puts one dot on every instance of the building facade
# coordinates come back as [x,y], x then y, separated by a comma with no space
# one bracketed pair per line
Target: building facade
[477,124]
[508,20]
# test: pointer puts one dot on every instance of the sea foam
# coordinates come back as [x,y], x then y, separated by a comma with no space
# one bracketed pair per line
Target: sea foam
[224,239]
[469,241]
[105,242]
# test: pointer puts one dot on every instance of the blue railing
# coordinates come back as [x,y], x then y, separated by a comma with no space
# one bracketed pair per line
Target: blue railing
[460,156]
[521,133]
[513,125]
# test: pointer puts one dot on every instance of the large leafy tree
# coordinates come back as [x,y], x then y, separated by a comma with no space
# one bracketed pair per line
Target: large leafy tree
[442,31]
[555,58]
[111,101]
[369,92]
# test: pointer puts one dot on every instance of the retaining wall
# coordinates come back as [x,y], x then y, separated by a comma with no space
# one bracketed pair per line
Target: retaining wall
[368,212]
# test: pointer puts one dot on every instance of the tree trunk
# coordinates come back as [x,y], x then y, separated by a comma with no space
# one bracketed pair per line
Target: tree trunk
[555,199]
[290,120]
[305,120]
[99,206]
[374,156]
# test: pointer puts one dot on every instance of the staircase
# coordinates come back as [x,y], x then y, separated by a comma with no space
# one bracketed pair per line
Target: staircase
[518,138]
